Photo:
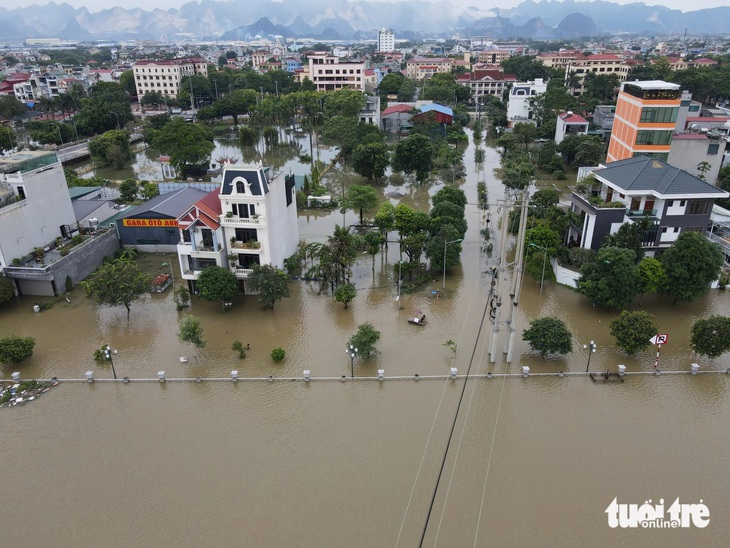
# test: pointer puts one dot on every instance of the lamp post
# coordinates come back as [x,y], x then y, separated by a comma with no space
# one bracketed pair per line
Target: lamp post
[446,244]
[60,135]
[591,350]
[352,352]
[108,354]
[117,117]
[544,260]
[76,131]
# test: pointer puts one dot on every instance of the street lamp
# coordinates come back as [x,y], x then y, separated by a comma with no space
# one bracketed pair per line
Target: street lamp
[544,260]
[591,350]
[108,354]
[352,352]
[117,117]
[60,135]
[446,244]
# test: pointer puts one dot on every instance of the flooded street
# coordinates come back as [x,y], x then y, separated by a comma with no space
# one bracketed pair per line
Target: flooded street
[532,461]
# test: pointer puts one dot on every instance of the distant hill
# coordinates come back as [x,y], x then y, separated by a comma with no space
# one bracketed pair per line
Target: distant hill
[346,19]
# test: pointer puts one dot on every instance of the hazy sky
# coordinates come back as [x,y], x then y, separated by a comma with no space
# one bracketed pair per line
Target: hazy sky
[98,5]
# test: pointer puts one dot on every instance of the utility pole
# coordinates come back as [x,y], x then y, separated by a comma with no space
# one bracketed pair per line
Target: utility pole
[517,275]
[499,269]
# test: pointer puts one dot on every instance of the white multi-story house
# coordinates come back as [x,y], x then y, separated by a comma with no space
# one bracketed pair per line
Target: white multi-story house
[35,214]
[163,76]
[250,220]
[34,203]
[518,108]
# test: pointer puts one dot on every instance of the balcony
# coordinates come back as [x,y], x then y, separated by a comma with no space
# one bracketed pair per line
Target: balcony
[256,220]
[641,212]
[246,245]
[243,272]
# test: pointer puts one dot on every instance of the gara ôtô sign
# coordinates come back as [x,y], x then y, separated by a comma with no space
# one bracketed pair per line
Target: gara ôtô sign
[150,222]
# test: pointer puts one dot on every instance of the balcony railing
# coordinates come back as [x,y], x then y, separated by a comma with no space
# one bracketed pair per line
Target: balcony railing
[241,221]
[246,245]
[641,212]
[243,272]
[10,205]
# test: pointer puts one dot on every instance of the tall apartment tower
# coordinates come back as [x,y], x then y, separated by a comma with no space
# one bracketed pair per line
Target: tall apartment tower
[646,115]
[386,40]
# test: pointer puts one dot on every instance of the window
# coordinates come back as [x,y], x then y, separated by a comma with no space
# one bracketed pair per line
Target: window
[21,192]
[713,149]
[246,260]
[653,137]
[247,235]
[698,208]
[660,115]
[240,188]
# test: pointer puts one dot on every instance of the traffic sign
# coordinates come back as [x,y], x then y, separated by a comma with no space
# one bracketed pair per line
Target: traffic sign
[659,339]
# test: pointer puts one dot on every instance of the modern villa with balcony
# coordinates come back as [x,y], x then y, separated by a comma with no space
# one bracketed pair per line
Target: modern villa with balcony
[250,220]
[664,199]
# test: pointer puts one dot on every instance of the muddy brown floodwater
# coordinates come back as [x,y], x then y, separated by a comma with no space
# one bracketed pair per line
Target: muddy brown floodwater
[532,461]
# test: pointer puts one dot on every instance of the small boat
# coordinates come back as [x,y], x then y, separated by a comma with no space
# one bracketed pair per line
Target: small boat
[417,321]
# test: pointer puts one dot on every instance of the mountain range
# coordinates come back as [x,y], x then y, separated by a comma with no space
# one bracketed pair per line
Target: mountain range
[349,19]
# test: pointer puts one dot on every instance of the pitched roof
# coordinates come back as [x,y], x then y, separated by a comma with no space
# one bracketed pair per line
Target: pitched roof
[396,108]
[642,175]
[209,210]
[171,204]
[572,118]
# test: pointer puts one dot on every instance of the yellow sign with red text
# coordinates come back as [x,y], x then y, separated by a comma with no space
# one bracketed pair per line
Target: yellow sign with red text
[150,222]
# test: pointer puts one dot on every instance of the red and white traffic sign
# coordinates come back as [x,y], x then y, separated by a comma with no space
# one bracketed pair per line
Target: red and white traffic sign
[659,339]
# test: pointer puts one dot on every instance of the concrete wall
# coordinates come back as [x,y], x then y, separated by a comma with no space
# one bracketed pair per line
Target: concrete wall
[85,259]
[35,221]
[686,154]
[282,232]
[565,276]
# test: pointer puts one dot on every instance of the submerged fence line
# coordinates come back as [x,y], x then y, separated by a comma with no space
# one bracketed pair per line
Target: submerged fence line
[381,377]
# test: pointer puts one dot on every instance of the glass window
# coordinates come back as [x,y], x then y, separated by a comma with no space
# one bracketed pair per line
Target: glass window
[653,137]
[698,208]
[713,148]
[660,115]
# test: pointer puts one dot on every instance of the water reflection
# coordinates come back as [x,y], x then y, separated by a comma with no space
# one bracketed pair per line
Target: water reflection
[214,463]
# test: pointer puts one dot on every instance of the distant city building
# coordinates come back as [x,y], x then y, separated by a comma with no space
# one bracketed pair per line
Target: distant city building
[423,68]
[493,56]
[577,70]
[486,80]
[164,76]
[328,73]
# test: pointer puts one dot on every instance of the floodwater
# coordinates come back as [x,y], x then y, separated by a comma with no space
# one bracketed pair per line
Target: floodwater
[532,461]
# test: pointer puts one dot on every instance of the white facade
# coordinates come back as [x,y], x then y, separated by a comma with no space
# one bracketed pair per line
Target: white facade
[255,220]
[34,203]
[568,123]
[386,40]
[518,108]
